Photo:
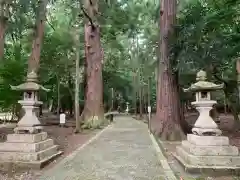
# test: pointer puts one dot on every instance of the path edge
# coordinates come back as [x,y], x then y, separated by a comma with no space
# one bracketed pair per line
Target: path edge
[164,163]
[75,152]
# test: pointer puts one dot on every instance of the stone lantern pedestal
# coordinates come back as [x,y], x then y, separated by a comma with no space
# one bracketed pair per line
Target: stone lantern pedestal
[205,125]
[29,146]
[206,149]
[29,122]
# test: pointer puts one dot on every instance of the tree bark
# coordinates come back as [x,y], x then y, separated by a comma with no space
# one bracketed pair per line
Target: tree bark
[135,95]
[93,113]
[34,59]
[4,11]
[58,96]
[149,92]
[140,92]
[112,99]
[168,106]
[77,118]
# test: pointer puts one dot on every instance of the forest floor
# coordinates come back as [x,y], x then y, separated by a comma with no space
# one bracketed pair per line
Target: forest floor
[169,148]
[65,137]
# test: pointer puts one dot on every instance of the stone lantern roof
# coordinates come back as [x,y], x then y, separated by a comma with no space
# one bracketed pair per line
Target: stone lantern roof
[202,84]
[30,84]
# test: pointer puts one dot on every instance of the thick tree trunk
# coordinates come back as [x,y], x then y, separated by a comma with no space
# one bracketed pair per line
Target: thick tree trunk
[34,59]
[168,106]
[93,113]
[4,10]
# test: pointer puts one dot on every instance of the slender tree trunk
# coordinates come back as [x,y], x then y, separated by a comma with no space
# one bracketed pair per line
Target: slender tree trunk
[149,91]
[168,110]
[135,92]
[134,82]
[58,96]
[78,123]
[34,59]
[70,97]
[140,101]
[93,113]
[112,99]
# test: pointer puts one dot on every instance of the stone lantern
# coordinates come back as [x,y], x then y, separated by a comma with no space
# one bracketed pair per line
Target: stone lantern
[28,146]
[29,122]
[204,125]
[206,149]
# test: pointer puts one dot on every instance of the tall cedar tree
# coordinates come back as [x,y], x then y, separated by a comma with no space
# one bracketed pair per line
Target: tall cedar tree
[93,112]
[168,104]
[4,13]
[38,33]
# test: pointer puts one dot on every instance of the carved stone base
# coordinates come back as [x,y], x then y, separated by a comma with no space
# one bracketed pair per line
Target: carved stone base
[30,130]
[205,125]
[28,149]
[207,152]
[206,131]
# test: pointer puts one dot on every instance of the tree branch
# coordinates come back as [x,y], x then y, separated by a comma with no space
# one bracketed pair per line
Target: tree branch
[50,24]
[87,16]
[214,71]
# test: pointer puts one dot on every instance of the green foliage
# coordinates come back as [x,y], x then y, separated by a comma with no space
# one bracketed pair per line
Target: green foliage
[121,22]
[12,72]
[207,33]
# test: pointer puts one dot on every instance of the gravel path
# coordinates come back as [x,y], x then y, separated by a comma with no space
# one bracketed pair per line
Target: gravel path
[123,151]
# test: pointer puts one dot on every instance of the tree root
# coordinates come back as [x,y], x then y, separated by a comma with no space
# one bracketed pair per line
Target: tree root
[93,122]
[174,134]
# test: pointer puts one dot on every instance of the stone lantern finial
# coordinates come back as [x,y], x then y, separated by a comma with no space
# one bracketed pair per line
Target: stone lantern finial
[201,76]
[32,77]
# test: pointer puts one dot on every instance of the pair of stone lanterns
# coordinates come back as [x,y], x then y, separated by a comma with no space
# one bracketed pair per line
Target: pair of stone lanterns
[29,146]
[206,148]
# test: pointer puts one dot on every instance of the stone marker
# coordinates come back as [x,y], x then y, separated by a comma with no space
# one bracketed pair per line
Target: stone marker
[29,146]
[127,108]
[62,119]
[206,149]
